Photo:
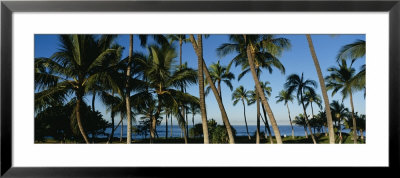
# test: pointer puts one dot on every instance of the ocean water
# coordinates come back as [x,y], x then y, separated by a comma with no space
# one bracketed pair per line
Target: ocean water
[285,130]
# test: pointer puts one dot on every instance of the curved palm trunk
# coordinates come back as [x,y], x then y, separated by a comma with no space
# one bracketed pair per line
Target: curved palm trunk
[172,127]
[258,120]
[263,98]
[78,116]
[183,128]
[110,138]
[219,89]
[127,94]
[290,120]
[267,125]
[323,89]
[245,120]
[203,112]
[355,137]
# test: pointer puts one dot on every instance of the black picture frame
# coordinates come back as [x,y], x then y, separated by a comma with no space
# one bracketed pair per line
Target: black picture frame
[8,7]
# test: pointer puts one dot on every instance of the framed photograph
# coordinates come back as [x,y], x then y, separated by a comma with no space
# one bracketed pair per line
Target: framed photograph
[138,88]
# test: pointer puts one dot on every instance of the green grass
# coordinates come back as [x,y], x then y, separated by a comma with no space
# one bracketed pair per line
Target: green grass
[321,138]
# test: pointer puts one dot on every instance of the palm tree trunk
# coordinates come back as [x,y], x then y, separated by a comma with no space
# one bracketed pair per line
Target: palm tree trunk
[323,88]
[184,130]
[199,52]
[110,138]
[122,129]
[127,93]
[267,125]
[172,127]
[245,120]
[187,123]
[258,120]
[263,98]
[305,130]
[166,126]
[290,120]
[78,116]
[355,137]
[93,99]
[180,51]
[219,89]
[340,133]
[362,135]
[312,111]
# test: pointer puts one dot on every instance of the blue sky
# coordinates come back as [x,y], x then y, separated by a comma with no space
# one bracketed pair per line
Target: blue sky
[296,60]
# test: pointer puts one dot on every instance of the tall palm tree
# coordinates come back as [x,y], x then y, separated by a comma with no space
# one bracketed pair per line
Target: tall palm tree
[323,89]
[241,94]
[341,79]
[296,83]
[310,98]
[355,51]
[340,112]
[180,38]
[254,52]
[163,79]
[74,68]
[198,48]
[220,74]
[284,96]
[127,93]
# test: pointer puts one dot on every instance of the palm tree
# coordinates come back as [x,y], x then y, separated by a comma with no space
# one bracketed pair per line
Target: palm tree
[296,83]
[181,39]
[342,79]
[74,68]
[241,94]
[220,74]
[198,48]
[284,96]
[300,120]
[254,52]
[163,80]
[310,98]
[323,89]
[321,116]
[355,51]
[340,112]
